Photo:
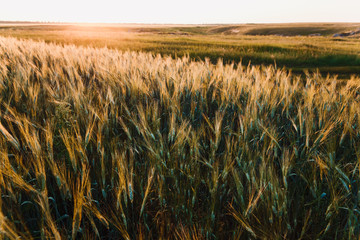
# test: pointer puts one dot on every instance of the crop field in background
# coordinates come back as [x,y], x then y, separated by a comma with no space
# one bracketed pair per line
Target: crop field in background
[101,144]
[294,46]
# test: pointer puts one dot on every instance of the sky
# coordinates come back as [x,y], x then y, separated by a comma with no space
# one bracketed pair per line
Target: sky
[181,12]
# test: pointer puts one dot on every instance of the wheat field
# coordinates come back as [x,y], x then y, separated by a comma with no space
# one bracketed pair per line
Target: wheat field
[288,45]
[103,144]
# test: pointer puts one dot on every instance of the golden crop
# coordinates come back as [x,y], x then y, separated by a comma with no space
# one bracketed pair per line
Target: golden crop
[96,143]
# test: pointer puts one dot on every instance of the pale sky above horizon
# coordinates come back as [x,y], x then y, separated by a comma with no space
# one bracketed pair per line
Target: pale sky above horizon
[177,12]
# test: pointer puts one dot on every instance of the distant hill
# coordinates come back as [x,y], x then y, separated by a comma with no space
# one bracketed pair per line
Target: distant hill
[290,29]
[280,29]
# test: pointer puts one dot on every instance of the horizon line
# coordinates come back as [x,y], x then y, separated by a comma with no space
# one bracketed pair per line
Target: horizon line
[155,23]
